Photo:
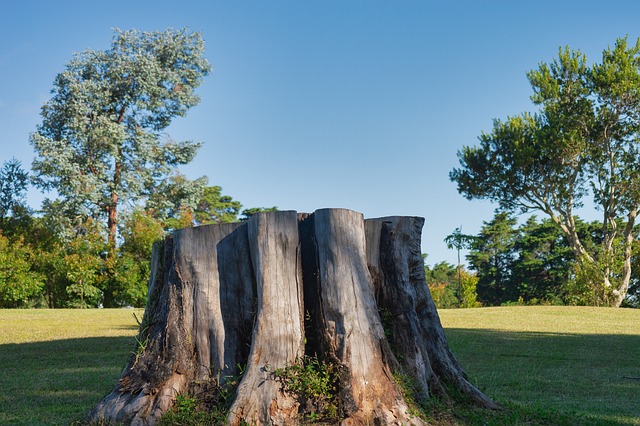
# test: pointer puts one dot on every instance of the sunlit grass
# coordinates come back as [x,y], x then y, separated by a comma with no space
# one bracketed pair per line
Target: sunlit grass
[40,325]
[580,362]
[56,364]
[545,319]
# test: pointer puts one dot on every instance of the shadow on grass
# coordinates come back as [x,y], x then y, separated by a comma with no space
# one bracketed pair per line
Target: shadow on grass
[540,378]
[592,378]
[58,382]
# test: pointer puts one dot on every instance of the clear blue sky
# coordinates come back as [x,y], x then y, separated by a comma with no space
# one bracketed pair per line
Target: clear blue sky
[313,104]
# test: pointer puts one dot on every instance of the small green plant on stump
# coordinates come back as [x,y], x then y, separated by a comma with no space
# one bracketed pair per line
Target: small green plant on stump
[315,383]
[208,404]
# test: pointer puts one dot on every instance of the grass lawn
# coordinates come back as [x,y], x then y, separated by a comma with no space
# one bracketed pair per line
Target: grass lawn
[579,365]
[544,365]
[57,364]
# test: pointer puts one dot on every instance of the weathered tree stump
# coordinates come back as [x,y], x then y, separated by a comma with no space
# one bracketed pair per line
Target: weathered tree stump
[266,293]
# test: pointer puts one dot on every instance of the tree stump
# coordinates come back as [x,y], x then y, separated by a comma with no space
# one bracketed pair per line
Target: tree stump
[259,297]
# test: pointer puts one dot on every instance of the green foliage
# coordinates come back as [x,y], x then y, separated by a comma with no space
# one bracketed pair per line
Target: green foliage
[14,182]
[558,365]
[309,378]
[187,411]
[452,287]
[585,288]
[492,256]
[139,233]
[247,213]
[175,195]
[214,207]
[131,267]
[183,219]
[583,140]
[19,282]
[126,278]
[100,142]
[468,290]
[460,241]
[74,271]
[535,264]
[544,261]
[315,383]
[208,404]
[442,280]
[83,265]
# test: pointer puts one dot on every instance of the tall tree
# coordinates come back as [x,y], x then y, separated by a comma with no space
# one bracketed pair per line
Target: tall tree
[101,139]
[18,280]
[14,181]
[457,240]
[544,261]
[174,195]
[443,283]
[583,140]
[491,255]
[214,207]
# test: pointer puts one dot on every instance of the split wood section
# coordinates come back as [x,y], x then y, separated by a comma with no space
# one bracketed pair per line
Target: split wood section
[259,295]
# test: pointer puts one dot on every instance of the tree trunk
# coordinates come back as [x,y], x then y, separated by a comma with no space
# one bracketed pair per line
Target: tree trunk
[278,334]
[196,326]
[347,320]
[226,296]
[416,334]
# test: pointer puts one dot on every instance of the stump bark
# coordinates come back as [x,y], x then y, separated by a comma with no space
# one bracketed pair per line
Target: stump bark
[261,296]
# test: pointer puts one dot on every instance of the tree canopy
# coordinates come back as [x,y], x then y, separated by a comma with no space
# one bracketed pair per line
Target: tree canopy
[583,141]
[101,140]
[13,187]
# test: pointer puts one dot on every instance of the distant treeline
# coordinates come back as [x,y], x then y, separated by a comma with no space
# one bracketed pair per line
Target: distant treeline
[528,264]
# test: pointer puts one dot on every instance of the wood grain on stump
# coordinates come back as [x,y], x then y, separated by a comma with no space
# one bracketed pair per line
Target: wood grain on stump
[259,296]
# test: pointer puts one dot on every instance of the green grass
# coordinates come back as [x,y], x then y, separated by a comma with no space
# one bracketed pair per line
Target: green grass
[572,365]
[544,365]
[57,364]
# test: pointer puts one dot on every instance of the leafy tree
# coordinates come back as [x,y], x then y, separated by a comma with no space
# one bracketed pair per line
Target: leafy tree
[101,142]
[141,230]
[441,279]
[214,207]
[19,282]
[14,182]
[74,270]
[583,140]
[15,216]
[247,213]
[133,264]
[127,279]
[544,262]
[442,272]
[633,300]
[174,196]
[184,218]
[492,255]
[84,270]
[459,241]
[468,289]
[450,286]
[52,263]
